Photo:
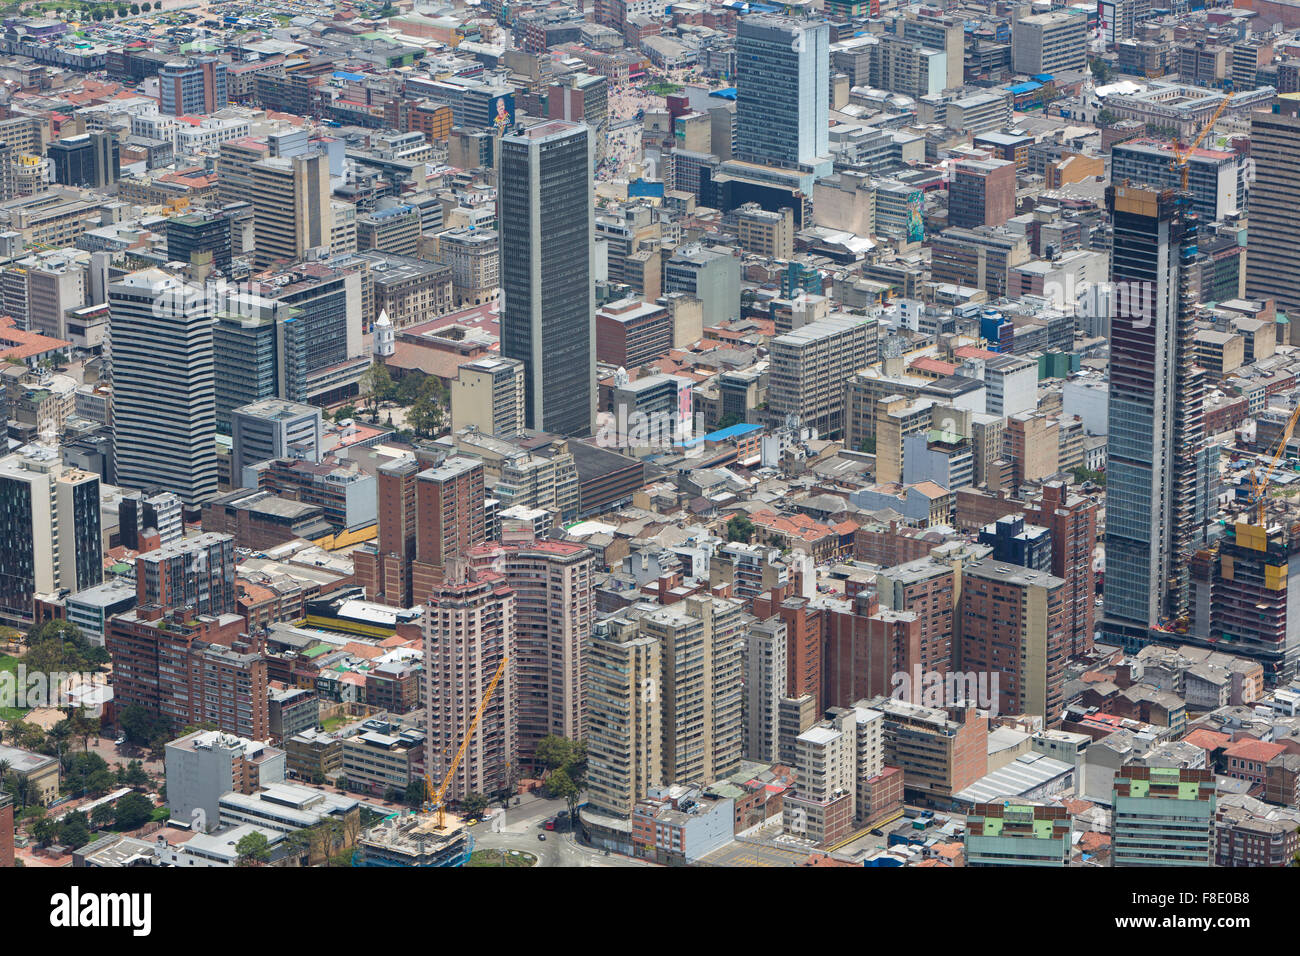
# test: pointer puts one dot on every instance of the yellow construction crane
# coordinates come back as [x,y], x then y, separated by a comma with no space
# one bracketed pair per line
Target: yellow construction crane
[1181,156]
[436,801]
[1258,487]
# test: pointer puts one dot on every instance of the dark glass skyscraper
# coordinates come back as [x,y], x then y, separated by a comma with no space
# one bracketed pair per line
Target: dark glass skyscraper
[548,318]
[1156,473]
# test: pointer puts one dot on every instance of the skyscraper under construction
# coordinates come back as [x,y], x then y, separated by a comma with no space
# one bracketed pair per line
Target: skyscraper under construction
[1157,481]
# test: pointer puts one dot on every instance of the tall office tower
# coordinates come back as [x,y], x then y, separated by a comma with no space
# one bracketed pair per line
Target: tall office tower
[291,206]
[49,530]
[765,674]
[1013,625]
[1072,522]
[1272,254]
[702,686]
[195,86]
[782,91]
[164,400]
[982,193]
[552,581]
[201,241]
[1156,472]
[1164,816]
[196,572]
[89,159]
[449,503]
[624,716]
[250,355]
[469,629]
[548,319]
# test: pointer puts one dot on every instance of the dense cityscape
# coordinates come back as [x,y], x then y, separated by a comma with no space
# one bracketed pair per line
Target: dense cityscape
[641,434]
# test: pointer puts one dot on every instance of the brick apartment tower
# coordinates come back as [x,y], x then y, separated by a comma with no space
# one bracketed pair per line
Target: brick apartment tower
[864,649]
[1072,521]
[469,626]
[190,669]
[552,582]
[1013,625]
[804,626]
[426,516]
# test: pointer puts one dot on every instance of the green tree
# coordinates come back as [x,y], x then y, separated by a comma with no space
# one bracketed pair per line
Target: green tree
[133,811]
[252,849]
[740,528]
[726,421]
[43,831]
[347,411]
[429,411]
[73,831]
[554,752]
[474,805]
[416,793]
[102,815]
[135,8]
[560,784]
[376,386]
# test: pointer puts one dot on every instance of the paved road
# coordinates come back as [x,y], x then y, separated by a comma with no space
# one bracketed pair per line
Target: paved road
[522,826]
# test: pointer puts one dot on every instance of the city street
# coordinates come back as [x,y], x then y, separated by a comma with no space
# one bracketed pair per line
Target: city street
[521,829]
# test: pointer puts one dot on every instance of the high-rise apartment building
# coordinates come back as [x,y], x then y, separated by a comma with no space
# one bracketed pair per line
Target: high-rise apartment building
[164,401]
[624,725]
[982,193]
[1164,816]
[1157,471]
[1013,625]
[547,227]
[552,582]
[1272,254]
[782,78]
[196,572]
[701,687]
[449,501]
[190,668]
[192,87]
[765,673]
[1071,520]
[50,538]
[469,631]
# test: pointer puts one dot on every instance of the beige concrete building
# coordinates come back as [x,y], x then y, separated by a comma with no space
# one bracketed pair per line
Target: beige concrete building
[292,212]
[488,394]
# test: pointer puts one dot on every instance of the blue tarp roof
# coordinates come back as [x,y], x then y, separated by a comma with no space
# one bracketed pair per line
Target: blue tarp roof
[1025,87]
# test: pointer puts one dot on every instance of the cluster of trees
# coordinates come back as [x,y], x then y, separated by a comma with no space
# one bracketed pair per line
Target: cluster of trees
[98,12]
[1082,474]
[740,528]
[424,397]
[566,764]
[60,646]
